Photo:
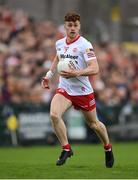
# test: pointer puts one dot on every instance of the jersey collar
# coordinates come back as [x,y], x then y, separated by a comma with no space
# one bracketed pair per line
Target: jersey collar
[77,37]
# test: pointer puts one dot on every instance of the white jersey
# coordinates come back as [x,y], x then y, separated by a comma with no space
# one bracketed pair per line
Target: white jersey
[80,51]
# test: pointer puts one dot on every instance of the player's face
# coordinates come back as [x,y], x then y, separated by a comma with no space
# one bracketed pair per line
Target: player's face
[72,28]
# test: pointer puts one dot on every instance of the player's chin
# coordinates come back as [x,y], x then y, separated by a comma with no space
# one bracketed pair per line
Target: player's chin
[72,35]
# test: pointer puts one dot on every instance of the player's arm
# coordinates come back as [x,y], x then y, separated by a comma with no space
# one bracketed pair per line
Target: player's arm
[91,60]
[91,69]
[50,73]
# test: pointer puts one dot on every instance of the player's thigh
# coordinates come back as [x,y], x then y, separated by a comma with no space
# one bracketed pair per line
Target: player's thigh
[59,105]
[90,116]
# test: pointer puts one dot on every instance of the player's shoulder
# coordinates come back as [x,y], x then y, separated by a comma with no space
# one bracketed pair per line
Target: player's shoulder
[85,42]
[60,41]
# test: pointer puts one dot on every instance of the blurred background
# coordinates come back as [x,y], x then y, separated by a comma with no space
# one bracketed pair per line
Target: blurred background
[28,32]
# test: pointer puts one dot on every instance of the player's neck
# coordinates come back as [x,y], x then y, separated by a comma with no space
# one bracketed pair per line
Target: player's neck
[71,40]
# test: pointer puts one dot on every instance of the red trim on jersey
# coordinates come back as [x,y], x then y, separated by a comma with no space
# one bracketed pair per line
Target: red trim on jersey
[83,102]
[76,38]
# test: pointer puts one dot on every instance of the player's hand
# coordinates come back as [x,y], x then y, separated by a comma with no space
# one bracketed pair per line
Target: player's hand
[45,83]
[70,73]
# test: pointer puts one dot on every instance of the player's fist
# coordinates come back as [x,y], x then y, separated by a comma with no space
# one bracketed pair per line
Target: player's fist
[45,83]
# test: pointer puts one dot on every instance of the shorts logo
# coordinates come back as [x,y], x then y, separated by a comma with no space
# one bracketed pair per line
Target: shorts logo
[85,106]
[92,102]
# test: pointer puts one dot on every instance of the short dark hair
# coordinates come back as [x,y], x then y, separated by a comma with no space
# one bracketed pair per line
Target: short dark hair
[72,16]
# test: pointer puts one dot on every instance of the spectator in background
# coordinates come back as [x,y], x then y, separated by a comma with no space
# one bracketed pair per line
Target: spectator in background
[30,48]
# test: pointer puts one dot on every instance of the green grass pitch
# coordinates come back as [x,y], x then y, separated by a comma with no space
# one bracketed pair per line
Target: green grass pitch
[87,162]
